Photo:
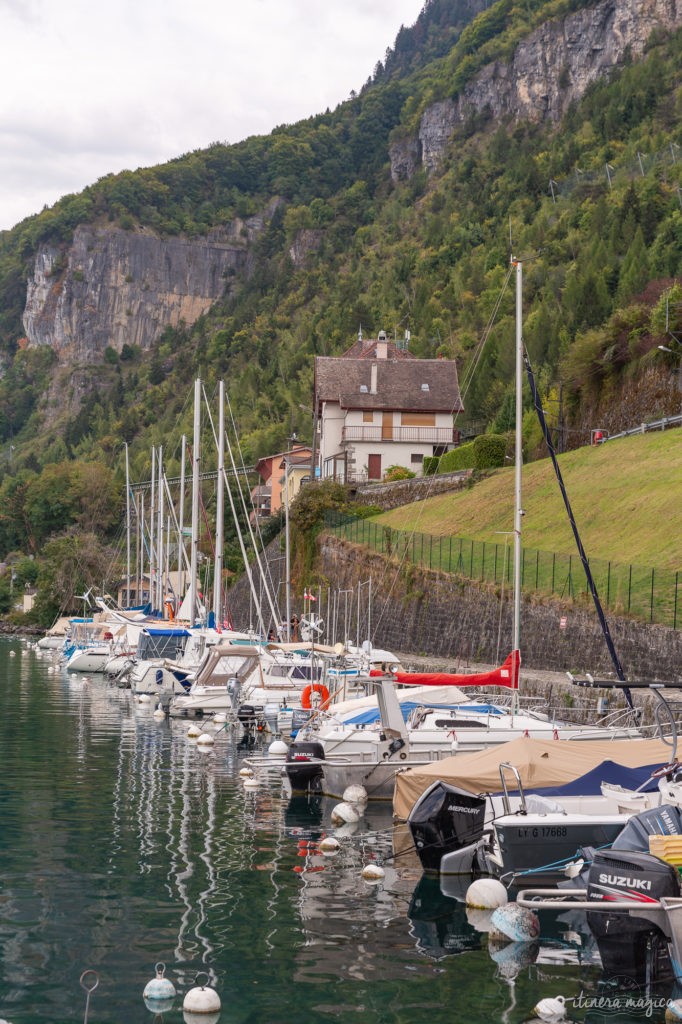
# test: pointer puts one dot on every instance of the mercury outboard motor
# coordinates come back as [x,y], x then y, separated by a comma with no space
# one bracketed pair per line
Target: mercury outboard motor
[443,820]
[632,949]
[303,767]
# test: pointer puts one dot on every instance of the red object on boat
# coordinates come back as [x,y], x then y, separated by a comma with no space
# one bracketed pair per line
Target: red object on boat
[506,675]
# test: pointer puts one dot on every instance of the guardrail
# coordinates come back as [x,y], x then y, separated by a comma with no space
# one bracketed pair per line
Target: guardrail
[644,428]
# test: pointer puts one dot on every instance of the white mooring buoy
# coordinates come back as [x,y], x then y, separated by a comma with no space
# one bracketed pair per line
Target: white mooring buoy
[205,740]
[329,846]
[278,748]
[193,731]
[246,773]
[551,1009]
[486,894]
[202,998]
[344,814]
[159,987]
[355,795]
[250,782]
[373,873]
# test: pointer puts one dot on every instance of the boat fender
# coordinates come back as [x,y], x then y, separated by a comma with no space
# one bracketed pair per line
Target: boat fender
[306,696]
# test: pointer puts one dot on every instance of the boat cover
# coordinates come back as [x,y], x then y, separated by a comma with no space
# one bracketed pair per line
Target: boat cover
[506,675]
[541,764]
[371,715]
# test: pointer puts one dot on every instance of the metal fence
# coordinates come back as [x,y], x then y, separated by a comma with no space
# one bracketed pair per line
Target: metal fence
[644,593]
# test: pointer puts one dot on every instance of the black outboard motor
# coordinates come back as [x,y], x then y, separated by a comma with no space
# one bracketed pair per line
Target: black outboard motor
[303,767]
[247,715]
[633,951]
[443,820]
[659,821]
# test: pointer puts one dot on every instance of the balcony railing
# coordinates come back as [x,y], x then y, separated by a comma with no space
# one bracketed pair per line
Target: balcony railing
[418,435]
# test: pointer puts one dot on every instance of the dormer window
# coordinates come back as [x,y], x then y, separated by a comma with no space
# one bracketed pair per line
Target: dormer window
[364,389]
[425,387]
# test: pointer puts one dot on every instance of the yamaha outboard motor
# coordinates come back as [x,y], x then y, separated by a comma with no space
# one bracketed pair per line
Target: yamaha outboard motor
[633,951]
[443,820]
[303,767]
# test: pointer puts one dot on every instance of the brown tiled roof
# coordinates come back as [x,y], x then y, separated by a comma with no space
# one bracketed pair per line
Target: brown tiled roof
[399,384]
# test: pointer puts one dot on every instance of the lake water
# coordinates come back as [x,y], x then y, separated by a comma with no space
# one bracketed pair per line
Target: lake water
[121,844]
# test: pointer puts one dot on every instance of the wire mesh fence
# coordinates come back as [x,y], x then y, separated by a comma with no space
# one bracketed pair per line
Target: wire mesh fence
[649,594]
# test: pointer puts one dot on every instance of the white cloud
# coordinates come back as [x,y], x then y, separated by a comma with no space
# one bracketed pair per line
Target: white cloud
[88,88]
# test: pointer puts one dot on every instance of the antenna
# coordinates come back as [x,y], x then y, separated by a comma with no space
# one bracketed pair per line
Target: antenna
[511,244]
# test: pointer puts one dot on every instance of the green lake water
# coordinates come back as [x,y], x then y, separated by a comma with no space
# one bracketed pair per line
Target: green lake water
[121,844]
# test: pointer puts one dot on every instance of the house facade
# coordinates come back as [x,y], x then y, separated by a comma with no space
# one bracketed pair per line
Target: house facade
[288,468]
[378,406]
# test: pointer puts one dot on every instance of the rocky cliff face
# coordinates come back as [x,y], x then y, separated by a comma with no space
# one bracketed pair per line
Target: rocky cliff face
[549,70]
[114,287]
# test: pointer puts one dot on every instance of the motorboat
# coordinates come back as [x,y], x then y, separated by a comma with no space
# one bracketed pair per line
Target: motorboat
[330,755]
[530,806]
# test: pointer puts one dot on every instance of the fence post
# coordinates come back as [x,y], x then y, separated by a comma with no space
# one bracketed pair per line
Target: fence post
[677,580]
[629,586]
[471,561]
[483,563]
[608,586]
[537,568]
[450,556]
[553,568]
[495,566]
[651,605]
[430,550]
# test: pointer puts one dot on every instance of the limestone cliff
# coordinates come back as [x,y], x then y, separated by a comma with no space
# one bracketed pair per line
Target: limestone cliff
[549,70]
[113,287]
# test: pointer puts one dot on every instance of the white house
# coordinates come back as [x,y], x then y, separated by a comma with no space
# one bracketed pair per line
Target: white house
[378,406]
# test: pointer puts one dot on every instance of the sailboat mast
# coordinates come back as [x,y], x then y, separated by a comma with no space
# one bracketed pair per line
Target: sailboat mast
[518,458]
[128,601]
[220,504]
[195,504]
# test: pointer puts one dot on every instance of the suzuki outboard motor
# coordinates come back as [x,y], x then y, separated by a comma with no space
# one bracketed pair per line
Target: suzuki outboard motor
[632,950]
[234,692]
[443,820]
[303,768]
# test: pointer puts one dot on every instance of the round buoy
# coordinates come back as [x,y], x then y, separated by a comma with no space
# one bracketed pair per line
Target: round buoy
[200,1018]
[12,654]
[159,987]
[551,1009]
[278,748]
[201,999]
[486,894]
[144,698]
[194,731]
[205,740]
[219,718]
[355,795]
[251,782]
[159,713]
[329,846]
[246,773]
[372,873]
[518,923]
[157,1006]
[344,814]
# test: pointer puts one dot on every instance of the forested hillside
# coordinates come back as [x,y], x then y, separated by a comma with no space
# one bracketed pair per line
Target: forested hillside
[593,200]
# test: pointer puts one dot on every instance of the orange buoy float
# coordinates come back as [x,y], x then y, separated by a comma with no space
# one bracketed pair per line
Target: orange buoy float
[306,696]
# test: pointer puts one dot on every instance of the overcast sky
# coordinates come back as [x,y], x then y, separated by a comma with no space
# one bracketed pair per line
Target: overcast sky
[89,87]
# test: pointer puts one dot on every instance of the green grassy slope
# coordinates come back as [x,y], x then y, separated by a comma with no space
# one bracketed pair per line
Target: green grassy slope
[626,497]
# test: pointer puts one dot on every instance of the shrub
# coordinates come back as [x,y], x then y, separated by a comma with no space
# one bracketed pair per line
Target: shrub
[398,473]
[430,464]
[457,458]
[489,451]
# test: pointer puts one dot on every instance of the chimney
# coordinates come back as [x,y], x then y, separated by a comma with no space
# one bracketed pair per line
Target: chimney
[382,346]
[373,379]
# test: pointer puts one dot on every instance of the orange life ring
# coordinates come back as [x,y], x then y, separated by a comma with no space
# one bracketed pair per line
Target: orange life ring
[311,688]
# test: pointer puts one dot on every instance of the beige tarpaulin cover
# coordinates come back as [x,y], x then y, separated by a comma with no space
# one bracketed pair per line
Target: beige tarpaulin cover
[539,762]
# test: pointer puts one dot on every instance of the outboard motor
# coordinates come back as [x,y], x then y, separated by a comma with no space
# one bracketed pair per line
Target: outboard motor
[247,716]
[633,951]
[302,766]
[234,692]
[443,820]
